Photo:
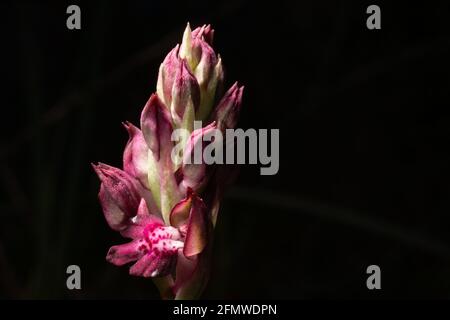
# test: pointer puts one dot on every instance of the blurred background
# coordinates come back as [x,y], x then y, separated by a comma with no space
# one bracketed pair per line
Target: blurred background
[364,159]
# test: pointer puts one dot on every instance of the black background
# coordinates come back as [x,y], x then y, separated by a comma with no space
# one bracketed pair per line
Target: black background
[364,156]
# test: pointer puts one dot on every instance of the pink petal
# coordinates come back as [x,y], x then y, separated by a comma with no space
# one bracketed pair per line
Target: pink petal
[124,253]
[194,171]
[135,156]
[205,32]
[135,230]
[140,267]
[190,216]
[167,71]
[160,244]
[119,195]
[199,228]
[180,212]
[156,127]
[206,64]
[185,90]
[153,265]
[227,112]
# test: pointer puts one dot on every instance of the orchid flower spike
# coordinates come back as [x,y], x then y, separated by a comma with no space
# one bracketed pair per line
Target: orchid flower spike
[168,210]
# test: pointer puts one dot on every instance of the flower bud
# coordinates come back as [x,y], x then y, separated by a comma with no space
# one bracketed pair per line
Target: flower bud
[194,168]
[119,195]
[166,76]
[227,112]
[156,127]
[204,64]
[135,156]
[185,97]
[205,32]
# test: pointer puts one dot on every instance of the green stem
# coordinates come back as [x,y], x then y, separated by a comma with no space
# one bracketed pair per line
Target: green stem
[165,285]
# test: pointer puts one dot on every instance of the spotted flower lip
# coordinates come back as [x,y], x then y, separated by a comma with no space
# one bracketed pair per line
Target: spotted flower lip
[167,209]
[154,246]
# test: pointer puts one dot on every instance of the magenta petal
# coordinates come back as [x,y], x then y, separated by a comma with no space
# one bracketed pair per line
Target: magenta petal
[191,217]
[180,212]
[194,171]
[141,265]
[143,219]
[157,128]
[227,112]
[199,228]
[153,265]
[136,163]
[167,71]
[116,218]
[205,32]
[133,231]
[124,253]
[119,195]
[206,64]
[135,156]
[185,90]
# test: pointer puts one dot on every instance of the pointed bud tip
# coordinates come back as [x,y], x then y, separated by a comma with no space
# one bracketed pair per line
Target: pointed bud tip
[126,124]
[187,30]
[98,168]
[94,166]
[241,91]
[131,128]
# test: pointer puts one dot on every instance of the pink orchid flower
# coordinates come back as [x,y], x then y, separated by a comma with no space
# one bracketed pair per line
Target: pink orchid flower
[168,210]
